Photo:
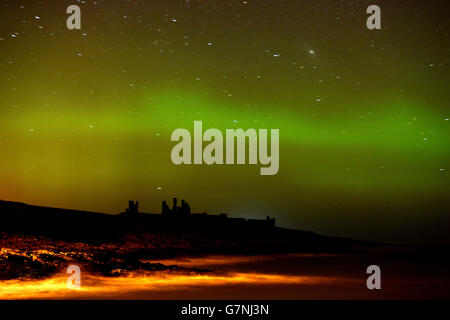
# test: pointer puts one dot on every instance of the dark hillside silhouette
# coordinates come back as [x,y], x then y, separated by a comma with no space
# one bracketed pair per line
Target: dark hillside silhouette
[259,235]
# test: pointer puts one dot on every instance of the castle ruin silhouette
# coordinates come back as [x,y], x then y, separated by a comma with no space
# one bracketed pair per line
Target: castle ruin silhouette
[180,217]
[184,210]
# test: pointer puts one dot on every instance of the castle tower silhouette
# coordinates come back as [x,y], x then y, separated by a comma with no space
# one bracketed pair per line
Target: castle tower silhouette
[133,207]
[183,210]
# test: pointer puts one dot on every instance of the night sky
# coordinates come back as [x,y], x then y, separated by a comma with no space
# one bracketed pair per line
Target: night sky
[86,115]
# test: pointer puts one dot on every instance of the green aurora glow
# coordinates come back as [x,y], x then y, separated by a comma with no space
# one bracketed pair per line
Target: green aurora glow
[364,139]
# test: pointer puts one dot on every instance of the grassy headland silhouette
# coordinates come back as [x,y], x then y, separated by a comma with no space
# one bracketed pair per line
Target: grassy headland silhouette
[182,250]
[104,243]
[88,226]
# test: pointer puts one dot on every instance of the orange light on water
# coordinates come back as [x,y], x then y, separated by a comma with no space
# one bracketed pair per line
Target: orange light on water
[221,260]
[105,287]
